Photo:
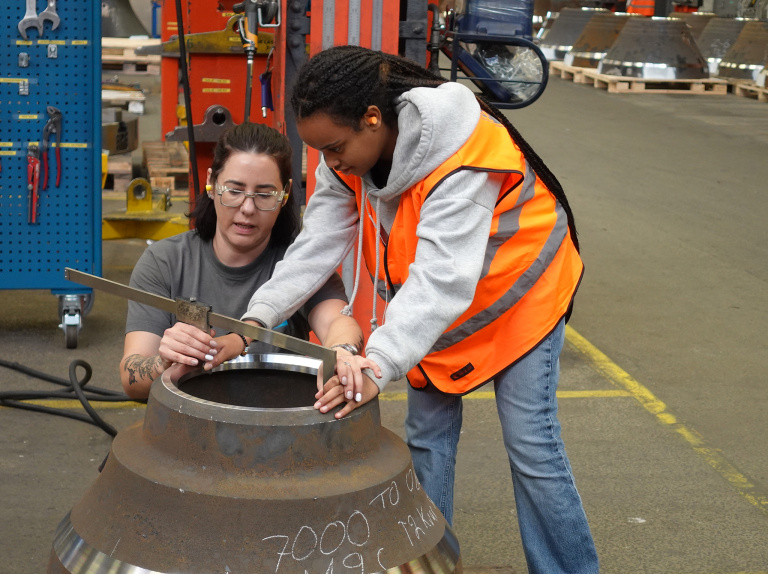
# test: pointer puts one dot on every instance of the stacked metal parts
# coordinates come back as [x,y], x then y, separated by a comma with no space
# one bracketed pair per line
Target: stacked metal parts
[595,40]
[655,48]
[565,30]
[235,471]
[684,46]
[745,60]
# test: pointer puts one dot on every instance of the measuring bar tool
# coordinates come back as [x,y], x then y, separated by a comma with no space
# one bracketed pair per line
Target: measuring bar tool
[200,315]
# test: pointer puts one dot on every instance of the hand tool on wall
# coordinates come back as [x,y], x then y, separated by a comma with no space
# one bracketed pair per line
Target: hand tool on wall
[50,14]
[33,180]
[30,20]
[266,88]
[52,126]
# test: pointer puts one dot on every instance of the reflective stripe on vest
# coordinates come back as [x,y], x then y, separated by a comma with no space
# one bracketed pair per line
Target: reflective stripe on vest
[530,272]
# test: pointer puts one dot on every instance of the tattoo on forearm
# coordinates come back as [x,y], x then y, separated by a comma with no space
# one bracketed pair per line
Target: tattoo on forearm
[140,367]
[359,345]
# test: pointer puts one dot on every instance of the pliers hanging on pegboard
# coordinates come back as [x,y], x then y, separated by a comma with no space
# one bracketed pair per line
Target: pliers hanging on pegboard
[33,180]
[52,126]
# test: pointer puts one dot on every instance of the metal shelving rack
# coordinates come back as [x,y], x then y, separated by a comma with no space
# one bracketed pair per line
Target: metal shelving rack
[62,68]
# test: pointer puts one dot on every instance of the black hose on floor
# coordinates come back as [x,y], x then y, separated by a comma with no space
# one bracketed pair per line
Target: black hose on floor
[73,389]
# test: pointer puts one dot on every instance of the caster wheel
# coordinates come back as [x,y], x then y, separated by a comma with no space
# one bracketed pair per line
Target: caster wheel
[70,334]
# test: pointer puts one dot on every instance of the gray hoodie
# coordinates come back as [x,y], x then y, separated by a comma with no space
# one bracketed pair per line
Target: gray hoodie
[453,231]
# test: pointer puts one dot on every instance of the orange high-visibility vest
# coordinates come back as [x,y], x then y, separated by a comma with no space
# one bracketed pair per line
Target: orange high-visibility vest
[531,271]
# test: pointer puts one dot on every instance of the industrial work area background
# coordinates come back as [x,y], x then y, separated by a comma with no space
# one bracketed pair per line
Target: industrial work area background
[663,390]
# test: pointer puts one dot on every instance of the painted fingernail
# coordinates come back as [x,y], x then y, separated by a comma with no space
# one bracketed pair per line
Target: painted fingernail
[349,394]
[317,405]
[212,351]
[214,344]
[343,380]
[358,397]
[195,362]
[209,357]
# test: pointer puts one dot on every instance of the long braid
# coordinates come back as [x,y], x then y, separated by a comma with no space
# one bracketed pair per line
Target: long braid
[344,80]
[538,165]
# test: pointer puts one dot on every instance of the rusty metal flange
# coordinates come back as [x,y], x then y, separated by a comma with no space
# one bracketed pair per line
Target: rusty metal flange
[235,471]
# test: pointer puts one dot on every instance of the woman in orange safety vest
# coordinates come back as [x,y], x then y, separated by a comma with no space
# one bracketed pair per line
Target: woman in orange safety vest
[473,246]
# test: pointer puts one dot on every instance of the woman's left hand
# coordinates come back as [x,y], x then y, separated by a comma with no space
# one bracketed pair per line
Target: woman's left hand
[334,393]
[228,347]
[349,369]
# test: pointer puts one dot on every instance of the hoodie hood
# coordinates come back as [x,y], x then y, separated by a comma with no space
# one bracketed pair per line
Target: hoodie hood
[433,124]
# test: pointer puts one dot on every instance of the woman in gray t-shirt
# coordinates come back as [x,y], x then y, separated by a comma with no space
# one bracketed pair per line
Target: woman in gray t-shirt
[244,223]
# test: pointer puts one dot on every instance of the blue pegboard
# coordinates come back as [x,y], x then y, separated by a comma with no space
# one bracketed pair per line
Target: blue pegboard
[68,228]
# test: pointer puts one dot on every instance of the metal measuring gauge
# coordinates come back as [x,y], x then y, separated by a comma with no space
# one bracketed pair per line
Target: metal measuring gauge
[201,316]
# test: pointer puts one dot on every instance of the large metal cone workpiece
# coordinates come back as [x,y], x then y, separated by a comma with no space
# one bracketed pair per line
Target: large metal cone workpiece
[717,38]
[696,20]
[746,58]
[234,472]
[655,49]
[565,31]
[597,37]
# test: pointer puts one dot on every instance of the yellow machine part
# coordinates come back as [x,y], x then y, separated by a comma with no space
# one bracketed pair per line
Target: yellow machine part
[145,216]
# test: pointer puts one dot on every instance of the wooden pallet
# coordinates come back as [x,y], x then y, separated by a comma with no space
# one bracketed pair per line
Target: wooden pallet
[119,172]
[133,100]
[573,73]
[626,85]
[131,68]
[750,90]
[120,54]
[167,159]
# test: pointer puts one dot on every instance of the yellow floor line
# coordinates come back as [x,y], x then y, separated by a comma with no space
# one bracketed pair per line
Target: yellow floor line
[656,407]
[74,404]
[485,395]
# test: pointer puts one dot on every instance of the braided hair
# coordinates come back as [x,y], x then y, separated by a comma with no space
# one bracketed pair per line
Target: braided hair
[344,81]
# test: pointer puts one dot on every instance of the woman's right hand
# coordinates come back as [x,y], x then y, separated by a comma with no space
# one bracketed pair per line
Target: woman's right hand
[187,345]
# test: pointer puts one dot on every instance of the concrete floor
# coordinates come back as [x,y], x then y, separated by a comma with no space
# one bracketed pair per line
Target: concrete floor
[663,381]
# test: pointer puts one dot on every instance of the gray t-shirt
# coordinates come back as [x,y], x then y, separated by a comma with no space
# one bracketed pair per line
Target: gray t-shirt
[186,266]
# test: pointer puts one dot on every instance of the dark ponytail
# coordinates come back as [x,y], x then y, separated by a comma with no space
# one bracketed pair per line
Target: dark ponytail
[344,80]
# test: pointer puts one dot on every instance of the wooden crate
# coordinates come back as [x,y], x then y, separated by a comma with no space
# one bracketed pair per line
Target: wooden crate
[119,172]
[167,159]
[120,54]
[164,184]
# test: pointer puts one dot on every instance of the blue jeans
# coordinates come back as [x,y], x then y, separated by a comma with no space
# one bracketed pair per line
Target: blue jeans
[553,526]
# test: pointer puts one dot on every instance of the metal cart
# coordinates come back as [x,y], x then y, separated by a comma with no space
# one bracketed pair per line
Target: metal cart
[50,150]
